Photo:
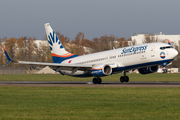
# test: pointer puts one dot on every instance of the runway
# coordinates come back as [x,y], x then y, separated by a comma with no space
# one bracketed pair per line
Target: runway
[87,84]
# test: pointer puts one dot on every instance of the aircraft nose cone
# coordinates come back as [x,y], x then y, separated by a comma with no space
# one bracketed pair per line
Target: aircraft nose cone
[175,52]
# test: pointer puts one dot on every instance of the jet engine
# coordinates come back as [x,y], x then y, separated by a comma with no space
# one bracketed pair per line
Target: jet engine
[148,70]
[101,70]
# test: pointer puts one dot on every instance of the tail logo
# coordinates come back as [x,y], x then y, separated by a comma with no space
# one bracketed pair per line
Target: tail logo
[53,40]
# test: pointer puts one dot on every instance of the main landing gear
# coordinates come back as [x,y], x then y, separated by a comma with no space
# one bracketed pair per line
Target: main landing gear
[124,78]
[97,80]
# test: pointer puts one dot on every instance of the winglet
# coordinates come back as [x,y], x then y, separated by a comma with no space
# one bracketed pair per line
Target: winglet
[168,42]
[3,48]
[8,57]
[7,54]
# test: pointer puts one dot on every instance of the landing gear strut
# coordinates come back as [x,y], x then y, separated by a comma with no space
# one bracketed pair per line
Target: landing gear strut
[124,78]
[97,80]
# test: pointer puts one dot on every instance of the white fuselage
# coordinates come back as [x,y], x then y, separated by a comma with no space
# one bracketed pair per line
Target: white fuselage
[131,57]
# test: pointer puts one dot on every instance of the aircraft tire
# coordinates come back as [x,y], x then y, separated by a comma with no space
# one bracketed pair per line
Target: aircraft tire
[99,80]
[95,80]
[126,79]
[122,79]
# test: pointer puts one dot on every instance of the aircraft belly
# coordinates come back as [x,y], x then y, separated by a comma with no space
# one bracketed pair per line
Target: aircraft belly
[78,73]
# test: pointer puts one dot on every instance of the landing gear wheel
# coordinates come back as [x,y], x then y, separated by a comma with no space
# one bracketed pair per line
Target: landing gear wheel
[99,80]
[95,80]
[126,79]
[122,79]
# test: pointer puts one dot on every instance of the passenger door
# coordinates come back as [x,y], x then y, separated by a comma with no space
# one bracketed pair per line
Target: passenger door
[153,51]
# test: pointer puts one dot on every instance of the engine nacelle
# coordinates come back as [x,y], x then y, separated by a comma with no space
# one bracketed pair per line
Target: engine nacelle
[148,70]
[101,70]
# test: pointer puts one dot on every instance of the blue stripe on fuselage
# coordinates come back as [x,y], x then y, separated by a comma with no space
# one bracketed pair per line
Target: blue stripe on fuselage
[140,65]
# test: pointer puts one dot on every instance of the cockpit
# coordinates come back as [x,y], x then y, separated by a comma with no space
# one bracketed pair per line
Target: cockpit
[165,47]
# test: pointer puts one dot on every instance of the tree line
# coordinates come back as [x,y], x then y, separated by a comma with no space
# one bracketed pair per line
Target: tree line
[26,49]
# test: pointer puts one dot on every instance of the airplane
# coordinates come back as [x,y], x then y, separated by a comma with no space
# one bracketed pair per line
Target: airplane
[145,57]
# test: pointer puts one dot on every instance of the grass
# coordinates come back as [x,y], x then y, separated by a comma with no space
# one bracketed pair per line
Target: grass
[67,103]
[78,103]
[115,77]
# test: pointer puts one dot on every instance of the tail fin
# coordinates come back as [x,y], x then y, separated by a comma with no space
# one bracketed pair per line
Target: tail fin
[58,52]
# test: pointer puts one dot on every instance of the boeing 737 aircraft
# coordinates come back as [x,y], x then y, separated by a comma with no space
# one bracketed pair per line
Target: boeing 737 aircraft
[144,57]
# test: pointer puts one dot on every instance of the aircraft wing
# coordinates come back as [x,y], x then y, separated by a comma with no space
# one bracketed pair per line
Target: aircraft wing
[53,64]
[69,67]
[87,66]
[58,66]
[45,64]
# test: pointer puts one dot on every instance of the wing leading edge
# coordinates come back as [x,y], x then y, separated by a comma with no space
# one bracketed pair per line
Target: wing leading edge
[53,64]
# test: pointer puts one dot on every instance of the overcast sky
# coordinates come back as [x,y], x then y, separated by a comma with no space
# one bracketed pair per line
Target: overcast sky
[94,18]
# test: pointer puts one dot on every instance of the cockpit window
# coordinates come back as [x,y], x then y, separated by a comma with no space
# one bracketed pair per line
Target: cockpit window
[166,47]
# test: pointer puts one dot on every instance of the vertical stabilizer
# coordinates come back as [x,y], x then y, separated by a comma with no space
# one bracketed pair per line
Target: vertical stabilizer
[168,42]
[58,52]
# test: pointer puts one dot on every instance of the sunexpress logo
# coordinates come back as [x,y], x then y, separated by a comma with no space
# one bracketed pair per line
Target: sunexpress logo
[53,39]
[134,49]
